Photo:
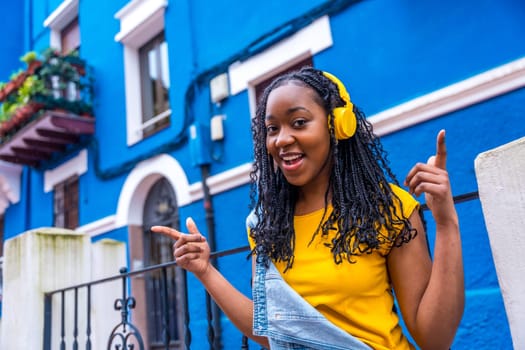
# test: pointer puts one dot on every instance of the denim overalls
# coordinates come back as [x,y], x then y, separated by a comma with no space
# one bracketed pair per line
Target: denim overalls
[289,321]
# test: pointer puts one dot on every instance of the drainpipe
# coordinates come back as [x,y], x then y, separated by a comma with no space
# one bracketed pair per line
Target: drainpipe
[214,334]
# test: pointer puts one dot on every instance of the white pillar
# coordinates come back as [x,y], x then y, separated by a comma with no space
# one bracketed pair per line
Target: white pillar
[108,256]
[35,262]
[501,180]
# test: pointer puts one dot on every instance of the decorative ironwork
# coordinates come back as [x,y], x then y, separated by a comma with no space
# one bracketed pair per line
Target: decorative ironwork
[125,335]
[62,321]
[88,326]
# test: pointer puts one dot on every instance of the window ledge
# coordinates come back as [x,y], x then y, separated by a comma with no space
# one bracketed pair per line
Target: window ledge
[138,20]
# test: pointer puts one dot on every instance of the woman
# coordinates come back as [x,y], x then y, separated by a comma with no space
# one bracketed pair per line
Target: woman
[343,236]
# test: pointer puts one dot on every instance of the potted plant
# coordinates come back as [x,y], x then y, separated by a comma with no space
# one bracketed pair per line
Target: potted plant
[2,91]
[78,63]
[15,80]
[30,58]
[22,105]
[62,77]
[54,82]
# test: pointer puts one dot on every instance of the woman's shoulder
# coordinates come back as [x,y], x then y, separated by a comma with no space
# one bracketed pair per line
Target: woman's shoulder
[408,202]
[399,191]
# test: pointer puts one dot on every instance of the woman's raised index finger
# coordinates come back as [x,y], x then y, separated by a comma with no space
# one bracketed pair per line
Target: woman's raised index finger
[167,231]
[441,151]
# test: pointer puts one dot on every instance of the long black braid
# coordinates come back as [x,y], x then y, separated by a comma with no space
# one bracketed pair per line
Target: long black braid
[361,196]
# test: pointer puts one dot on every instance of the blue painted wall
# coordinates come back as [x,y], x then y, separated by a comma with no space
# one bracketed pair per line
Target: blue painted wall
[392,52]
[11,41]
[386,52]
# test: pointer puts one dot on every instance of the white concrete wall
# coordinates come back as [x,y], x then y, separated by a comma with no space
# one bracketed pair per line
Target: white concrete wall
[48,259]
[35,262]
[501,180]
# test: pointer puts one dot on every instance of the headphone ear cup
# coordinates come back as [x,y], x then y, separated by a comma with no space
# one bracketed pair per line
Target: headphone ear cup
[345,122]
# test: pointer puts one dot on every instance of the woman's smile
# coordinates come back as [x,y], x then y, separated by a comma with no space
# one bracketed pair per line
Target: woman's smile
[291,161]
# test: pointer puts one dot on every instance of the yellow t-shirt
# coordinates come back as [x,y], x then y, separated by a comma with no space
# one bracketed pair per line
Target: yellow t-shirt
[356,297]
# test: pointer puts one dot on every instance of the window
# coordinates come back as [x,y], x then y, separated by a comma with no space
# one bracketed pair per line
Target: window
[66,203]
[70,37]
[145,67]
[155,83]
[259,88]
[63,23]
[297,48]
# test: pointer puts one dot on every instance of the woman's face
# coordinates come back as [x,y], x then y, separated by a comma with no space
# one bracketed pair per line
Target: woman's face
[297,138]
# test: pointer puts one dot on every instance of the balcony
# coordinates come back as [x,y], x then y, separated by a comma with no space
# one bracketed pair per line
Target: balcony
[46,109]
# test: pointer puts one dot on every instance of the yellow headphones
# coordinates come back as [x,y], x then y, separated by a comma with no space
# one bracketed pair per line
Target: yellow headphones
[345,122]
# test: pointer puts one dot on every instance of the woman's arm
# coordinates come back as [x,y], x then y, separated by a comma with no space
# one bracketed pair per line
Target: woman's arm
[192,253]
[431,295]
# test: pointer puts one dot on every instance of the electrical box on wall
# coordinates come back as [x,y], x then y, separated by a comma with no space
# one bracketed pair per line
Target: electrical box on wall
[217,130]
[219,88]
[200,144]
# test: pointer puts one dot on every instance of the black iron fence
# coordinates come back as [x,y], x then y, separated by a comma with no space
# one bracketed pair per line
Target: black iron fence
[125,335]
[77,302]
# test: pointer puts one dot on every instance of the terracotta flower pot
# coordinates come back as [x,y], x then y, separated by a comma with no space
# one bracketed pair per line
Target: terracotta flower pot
[10,86]
[36,106]
[33,66]
[20,79]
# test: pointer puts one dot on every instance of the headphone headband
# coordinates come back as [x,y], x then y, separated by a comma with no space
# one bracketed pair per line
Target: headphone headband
[345,122]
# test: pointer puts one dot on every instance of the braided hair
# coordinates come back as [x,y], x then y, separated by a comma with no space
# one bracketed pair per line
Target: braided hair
[361,197]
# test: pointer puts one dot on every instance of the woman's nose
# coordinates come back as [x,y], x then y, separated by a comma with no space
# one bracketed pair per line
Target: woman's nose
[284,138]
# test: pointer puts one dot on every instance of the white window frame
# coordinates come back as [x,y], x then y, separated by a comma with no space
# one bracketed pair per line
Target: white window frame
[75,166]
[309,41]
[66,12]
[140,21]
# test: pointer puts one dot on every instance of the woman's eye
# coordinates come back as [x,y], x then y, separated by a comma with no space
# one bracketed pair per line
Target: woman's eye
[299,122]
[270,129]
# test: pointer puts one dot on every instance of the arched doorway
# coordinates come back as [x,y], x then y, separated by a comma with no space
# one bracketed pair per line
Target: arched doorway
[165,289]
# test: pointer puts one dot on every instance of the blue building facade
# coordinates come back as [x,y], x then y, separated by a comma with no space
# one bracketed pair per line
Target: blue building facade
[413,67]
